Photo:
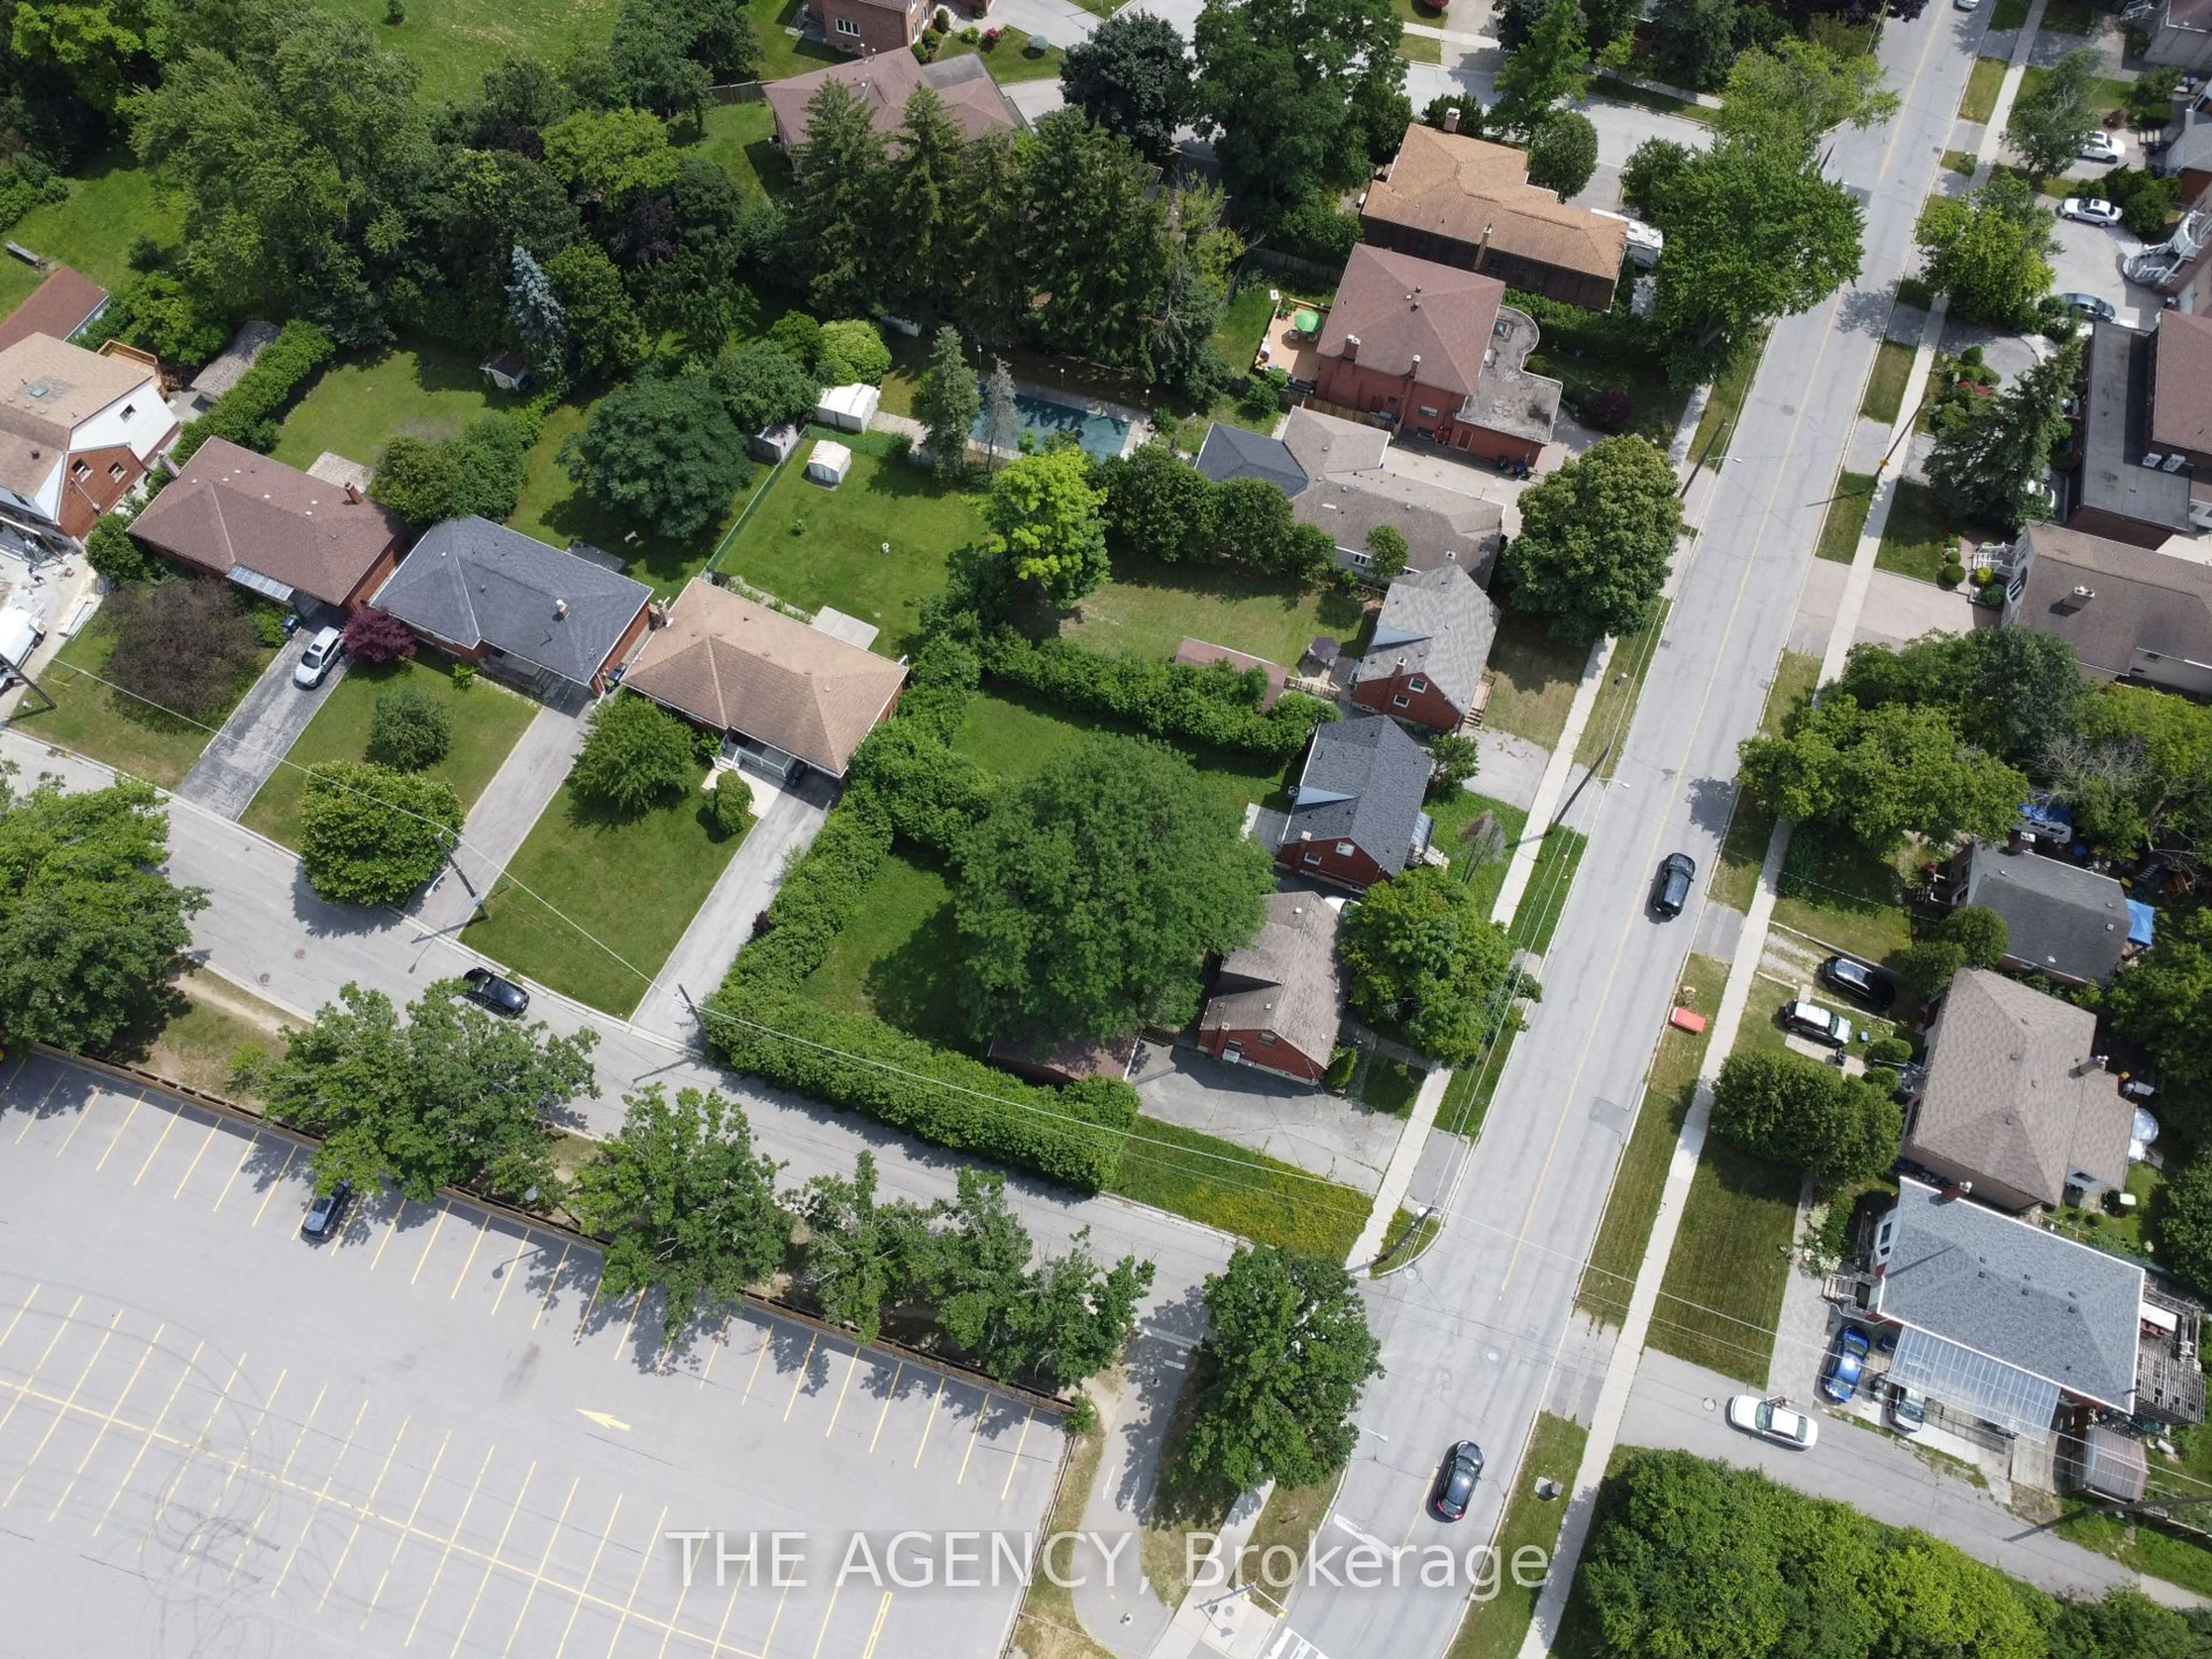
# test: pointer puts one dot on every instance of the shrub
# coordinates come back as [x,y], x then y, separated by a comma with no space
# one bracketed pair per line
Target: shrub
[1341,1065]
[184,646]
[933,795]
[1890,1050]
[1980,932]
[1951,574]
[972,34]
[408,728]
[1927,969]
[247,413]
[1610,411]
[858,346]
[371,835]
[378,636]
[637,755]
[1261,401]
[1319,231]
[464,675]
[109,549]
[731,806]
[1802,1113]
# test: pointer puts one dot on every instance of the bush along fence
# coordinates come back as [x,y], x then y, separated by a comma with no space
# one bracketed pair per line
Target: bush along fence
[247,413]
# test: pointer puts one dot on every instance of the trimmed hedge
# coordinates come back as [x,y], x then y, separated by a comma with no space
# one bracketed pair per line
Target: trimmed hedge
[817,898]
[1214,705]
[933,796]
[245,414]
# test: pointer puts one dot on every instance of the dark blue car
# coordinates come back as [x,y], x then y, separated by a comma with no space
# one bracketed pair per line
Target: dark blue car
[1839,1378]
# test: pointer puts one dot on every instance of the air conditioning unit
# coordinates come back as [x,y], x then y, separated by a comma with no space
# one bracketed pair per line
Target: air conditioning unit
[2176,461]
[2153,459]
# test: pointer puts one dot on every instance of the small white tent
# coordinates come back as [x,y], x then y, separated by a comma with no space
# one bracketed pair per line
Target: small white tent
[847,408]
[828,462]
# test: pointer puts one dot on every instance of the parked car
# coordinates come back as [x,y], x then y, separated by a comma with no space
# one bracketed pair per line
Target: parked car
[2089,305]
[1965,5]
[1908,1409]
[2089,210]
[1860,982]
[1670,890]
[2101,146]
[1455,1484]
[1773,1419]
[502,996]
[326,1215]
[321,656]
[1810,1019]
[1839,1378]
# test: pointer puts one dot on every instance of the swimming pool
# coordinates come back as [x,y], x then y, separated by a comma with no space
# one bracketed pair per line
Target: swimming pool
[1100,435]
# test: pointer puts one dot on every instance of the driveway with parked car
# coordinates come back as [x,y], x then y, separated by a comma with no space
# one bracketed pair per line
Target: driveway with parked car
[254,740]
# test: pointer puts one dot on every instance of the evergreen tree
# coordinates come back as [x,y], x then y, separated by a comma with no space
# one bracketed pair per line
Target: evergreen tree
[534,309]
[836,208]
[947,402]
[922,184]
[1991,465]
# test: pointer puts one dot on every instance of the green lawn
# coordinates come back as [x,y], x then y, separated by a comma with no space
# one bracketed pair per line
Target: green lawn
[786,55]
[815,546]
[486,720]
[1842,894]
[2010,15]
[1884,387]
[1590,352]
[1387,1085]
[1722,1295]
[110,201]
[1960,162]
[1744,850]
[1532,679]
[741,137]
[1238,1191]
[358,406]
[898,958]
[1979,101]
[453,42]
[1244,321]
[1495,1625]
[112,727]
[1149,608]
[1010,61]
[2103,92]
[1730,387]
[625,891]
[1606,733]
[1918,535]
[1847,515]
[1451,819]
[2177,1559]
[1537,916]
[1420,49]
[2064,17]
[1619,91]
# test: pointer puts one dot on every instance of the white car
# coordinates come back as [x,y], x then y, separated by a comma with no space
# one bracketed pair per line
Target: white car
[320,657]
[2101,146]
[1771,1419]
[2089,210]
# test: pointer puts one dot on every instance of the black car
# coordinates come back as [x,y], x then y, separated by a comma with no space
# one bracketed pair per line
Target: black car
[325,1217]
[502,996]
[1455,1487]
[1671,890]
[1864,984]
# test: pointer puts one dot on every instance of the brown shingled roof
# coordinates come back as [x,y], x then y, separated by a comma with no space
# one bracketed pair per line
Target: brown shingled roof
[2181,399]
[1398,308]
[58,306]
[1453,185]
[885,80]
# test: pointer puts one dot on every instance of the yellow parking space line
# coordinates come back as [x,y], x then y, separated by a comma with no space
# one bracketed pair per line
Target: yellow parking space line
[122,1400]
[776,1619]
[39,1112]
[152,1434]
[322,1496]
[982,1410]
[160,1141]
[436,1227]
[569,1629]
[721,1340]
[759,1354]
[853,1363]
[215,1128]
[492,1565]
[1015,1463]
[245,1457]
[644,1560]
[31,1376]
[552,1285]
[406,1530]
[629,1325]
[391,1227]
[876,1630]
[512,1272]
[290,1153]
[83,1377]
[890,1395]
[930,1420]
[544,1560]
[827,1614]
[722,1629]
[461,1278]
[18,1318]
[799,1380]
[192,1449]
[120,1133]
[21,1066]
[252,1142]
[361,1516]
[676,1612]
[284,1475]
[446,1554]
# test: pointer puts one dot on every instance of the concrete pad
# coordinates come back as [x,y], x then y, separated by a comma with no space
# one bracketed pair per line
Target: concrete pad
[1869,441]
[1719,930]
[1316,1130]
[1512,767]
[1898,608]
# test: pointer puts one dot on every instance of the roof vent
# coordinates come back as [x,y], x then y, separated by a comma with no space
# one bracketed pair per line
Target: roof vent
[1451,118]
[2153,459]
[560,607]
[2083,595]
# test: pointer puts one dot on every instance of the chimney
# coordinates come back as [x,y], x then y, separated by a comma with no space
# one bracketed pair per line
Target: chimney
[352,495]
[2017,841]
[560,607]
[2083,595]
[2084,1067]
[1451,118]
[1352,347]
[1955,1190]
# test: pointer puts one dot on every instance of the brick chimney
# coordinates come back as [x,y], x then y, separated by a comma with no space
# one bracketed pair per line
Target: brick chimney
[1955,1190]
[352,495]
[1352,347]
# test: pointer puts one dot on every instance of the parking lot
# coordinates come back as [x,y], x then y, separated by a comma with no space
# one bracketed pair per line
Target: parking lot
[431,1437]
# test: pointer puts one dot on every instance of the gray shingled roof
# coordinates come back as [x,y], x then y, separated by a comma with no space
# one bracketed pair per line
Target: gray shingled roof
[1286,981]
[474,582]
[1436,622]
[2057,915]
[2016,1293]
[1363,782]
[1230,452]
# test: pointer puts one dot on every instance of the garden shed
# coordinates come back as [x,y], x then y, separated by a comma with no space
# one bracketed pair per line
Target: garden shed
[775,446]
[847,408]
[828,462]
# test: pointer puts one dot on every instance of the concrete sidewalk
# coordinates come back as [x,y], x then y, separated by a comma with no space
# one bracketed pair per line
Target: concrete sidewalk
[253,742]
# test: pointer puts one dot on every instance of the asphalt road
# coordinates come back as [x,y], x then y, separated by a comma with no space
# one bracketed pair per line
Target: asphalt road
[1472,1335]
[433,1435]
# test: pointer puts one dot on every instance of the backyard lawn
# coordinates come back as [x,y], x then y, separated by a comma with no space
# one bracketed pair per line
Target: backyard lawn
[453,42]
[611,935]
[112,727]
[1451,819]
[741,137]
[1847,515]
[813,546]
[1244,321]
[1010,61]
[110,202]
[897,959]
[1149,608]
[786,55]
[361,405]
[487,720]
[1532,679]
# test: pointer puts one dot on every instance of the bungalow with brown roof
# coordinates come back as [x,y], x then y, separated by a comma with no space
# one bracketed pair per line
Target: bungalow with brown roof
[1467,202]
[1278,1002]
[2129,612]
[76,431]
[273,529]
[780,689]
[885,80]
[57,308]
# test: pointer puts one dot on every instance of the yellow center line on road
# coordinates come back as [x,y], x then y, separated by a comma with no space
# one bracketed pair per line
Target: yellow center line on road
[446,1553]
[569,1629]
[890,1395]
[406,1530]
[123,1130]
[245,1157]
[145,1353]
[799,1380]
[192,1449]
[375,1486]
[827,1614]
[322,1496]
[39,1112]
[152,1434]
[461,1278]
[160,1141]
[851,1364]
[1016,1462]
[644,1560]
[215,1128]
[538,1577]
[513,1510]
[31,1376]
[928,1419]
[552,1285]
[82,1378]
[876,1630]
[291,1151]
[436,1227]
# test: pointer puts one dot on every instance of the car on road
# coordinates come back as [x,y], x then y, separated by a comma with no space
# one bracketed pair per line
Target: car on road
[321,656]
[2101,146]
[2089,210]
[1860,982]
[326,1215]
[1670,889]
[502,996]
[1824,1025]
[1773,1419]
[2089,305]
[1455,1484]
[1908,1409]
[1839,1378]
[1965,5]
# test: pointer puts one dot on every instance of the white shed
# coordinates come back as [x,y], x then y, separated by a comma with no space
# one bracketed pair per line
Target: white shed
[775,446]
[847,408]
[828,462]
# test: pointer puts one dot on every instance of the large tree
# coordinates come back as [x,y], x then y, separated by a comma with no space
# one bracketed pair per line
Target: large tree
[836,202]
[1788,97]
[1043,514]
[1808,1115]
[1089,895]
[181,647]
[763,385]
[661,452]
[948,402]
[924,252]
[1161,506]
[454,1096]
[1562,153]
[1694,42]
[861,1256]
[2165,1002]
[1597,539]
[605,338]
[2136,766]
[636,755]
[2012,690]
[1988,252]
[2051,120]
[1097,246]
[1288,1355]
[371,835]
[1133,76]
[91,931]
[1991,465]
[1423,956]
[1551,63]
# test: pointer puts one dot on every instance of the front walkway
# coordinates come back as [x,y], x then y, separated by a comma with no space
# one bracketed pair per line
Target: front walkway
[260,732]
[510,807]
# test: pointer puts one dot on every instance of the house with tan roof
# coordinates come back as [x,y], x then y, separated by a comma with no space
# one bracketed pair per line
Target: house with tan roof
[779,690]
[1278,1003]
[2130,612]
[57,308]
[273,529]
[885,80]
[76,431]
[1464,202]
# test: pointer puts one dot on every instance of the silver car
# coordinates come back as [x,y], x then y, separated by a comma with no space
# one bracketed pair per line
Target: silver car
[322,655]
[1773,1419]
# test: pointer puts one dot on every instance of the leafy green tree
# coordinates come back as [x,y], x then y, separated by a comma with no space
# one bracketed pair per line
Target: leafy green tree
[1134,77]
[1980,932]
[1251,518]
[1043,514]
[636,755]
[1096,247]
[730,802]
[408,728]
[2165,1002]
[853,351]
[1988,252]
[2012,690]
[1808,1115]
[2051,120]
[371,835]
[763,385]
[1694,42]
[1597,539]
[1423,956]
[947,402]
[684,1203]
[1161,506]
[1791,96]
[478,474]
[1453,760]
[605,338]
[837,205]
[1563,152]
[606,157]
[2137,765]
[109,549]
[2184,1221]
[454,1098]
[1652,166]
[1927,967]
[1288,1355]
[861,1256]
[181,647]
[1551,64]
[661,453]
[1387,551]
[1089,895]
[169,316]
[1991,465]
[91,931]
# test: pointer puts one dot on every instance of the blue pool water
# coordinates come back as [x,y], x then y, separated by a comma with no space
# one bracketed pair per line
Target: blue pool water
[1100,435]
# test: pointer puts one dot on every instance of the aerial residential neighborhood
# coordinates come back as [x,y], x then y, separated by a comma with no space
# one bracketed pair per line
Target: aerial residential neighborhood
[872,830]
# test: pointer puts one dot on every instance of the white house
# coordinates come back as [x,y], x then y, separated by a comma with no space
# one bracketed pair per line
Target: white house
[77,429]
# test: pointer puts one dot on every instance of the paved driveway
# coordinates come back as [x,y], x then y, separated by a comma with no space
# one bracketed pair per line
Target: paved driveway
[254,740]
[1311,1127]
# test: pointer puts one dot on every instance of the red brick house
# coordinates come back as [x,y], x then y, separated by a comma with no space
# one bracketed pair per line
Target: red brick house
[1278,1003]
[1435,352]
[862,27]
[1355,815]
[1432,641]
